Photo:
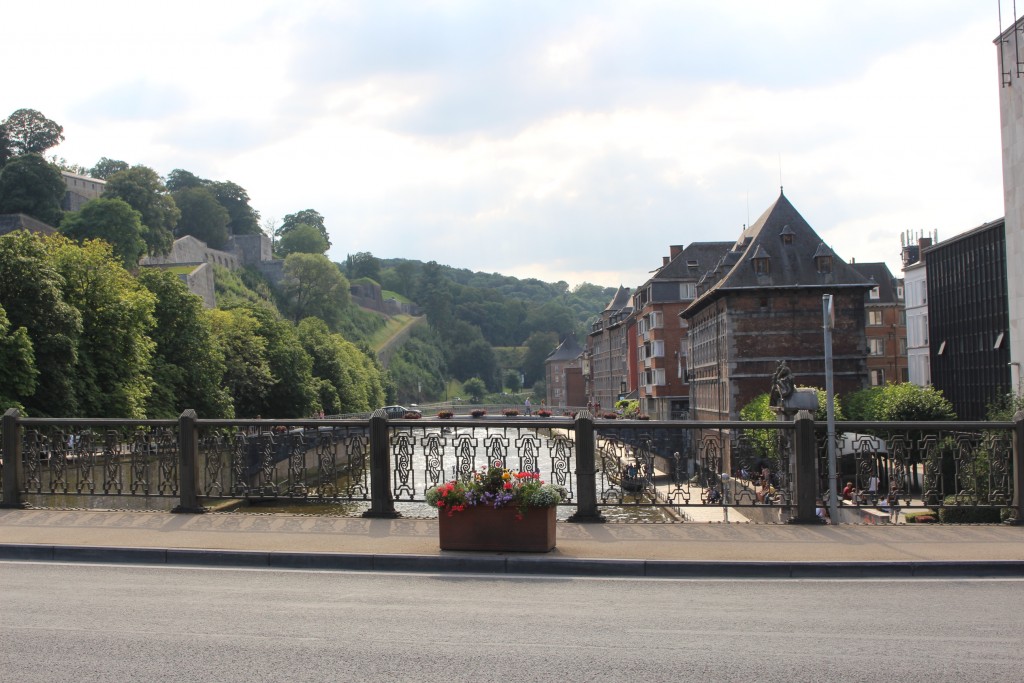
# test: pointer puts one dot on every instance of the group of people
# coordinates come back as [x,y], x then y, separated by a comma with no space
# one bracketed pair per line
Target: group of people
[871,495]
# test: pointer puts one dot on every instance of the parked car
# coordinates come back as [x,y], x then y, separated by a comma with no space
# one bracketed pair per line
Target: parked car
[395,412]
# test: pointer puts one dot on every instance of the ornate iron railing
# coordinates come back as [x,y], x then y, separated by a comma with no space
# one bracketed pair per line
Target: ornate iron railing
[760,471]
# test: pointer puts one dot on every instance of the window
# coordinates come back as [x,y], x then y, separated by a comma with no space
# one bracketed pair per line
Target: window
[656,320]
[761,266]
[687,290]
[903,346]
[875,293]
[877,378]
[824,264]
[876,347]
[657,349]
[874,317]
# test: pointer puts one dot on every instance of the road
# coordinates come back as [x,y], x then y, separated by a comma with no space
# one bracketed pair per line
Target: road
[128,623]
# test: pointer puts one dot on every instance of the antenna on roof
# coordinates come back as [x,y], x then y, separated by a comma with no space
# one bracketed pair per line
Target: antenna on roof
[780,172]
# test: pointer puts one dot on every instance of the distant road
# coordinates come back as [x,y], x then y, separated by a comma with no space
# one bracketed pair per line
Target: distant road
[122,623]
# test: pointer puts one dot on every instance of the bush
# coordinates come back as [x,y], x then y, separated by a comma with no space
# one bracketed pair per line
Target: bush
[965,512]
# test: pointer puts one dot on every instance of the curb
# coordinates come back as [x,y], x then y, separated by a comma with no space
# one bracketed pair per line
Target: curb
[500,564]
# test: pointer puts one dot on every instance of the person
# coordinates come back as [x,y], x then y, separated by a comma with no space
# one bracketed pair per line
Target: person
[714,496]
[894,501]
[872,496]
[527,405]
[848,491]
[822,513]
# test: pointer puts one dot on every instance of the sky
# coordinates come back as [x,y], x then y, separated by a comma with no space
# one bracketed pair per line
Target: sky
[569,140]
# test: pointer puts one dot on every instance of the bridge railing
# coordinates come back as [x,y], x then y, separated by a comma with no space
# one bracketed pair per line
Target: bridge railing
[618,469]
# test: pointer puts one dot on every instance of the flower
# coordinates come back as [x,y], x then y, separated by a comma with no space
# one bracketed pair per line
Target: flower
[446,414]
[543,412]
[478,412]
[496,487]
[509,412]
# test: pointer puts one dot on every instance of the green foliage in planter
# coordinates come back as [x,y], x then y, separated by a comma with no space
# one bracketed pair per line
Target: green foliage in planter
[964,512]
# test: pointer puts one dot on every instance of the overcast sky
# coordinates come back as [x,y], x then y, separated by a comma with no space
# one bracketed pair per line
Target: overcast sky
[564,140]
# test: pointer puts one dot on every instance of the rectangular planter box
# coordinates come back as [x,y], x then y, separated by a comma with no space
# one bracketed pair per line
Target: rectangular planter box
[486,528]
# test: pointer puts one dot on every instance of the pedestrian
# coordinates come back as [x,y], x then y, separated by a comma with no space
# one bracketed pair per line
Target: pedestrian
[873,489]
[527,405]
[894,501]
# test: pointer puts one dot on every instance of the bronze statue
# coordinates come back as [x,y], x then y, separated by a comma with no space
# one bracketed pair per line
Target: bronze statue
[782,385]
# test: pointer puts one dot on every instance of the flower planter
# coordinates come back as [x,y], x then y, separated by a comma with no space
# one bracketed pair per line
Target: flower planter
[487,528]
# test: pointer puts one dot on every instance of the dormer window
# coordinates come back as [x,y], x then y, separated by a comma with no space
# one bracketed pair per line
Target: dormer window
[787,234]
[762,265]
[823,259]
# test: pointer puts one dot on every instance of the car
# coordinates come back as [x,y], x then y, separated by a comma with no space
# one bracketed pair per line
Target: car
[395,412]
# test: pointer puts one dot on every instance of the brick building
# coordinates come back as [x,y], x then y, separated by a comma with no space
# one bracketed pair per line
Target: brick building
[660,335]
[563,373]
[885,325]
[763,304]
[606,360]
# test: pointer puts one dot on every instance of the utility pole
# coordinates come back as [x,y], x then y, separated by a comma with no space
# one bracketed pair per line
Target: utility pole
[828,323]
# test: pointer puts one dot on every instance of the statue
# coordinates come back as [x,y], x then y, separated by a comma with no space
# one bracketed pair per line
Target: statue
[782,385]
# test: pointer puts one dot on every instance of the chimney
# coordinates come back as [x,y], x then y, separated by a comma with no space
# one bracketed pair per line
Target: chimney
[675,250]
[664,260]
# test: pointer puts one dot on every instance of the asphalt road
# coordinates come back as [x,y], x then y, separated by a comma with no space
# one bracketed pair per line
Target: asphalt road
[132,623]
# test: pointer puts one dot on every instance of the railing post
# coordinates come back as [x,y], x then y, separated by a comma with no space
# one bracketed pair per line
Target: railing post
[12,460]
[1018,469]
[806,483]
[586,474]
[188,457]
[382,502]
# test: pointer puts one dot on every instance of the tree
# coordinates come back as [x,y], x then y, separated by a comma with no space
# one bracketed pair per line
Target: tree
[17,365]
[362,264]
[247,373]
[513,381]
[31,292]
[115,350]
[304,217]
[31,185]
[142,188]
[202,216]
[475,389]
[243,219]
[113,221]
[313,286]
[538,347]
[188,364]
[294,391]
[348,383]
[180,179]
[908,402]
[29,132]
[302,239]
[105,168]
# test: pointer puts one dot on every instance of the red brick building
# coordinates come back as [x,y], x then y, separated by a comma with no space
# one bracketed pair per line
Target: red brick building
[762,304]
[563,372]
[605,362]
[885,325]
[660,334]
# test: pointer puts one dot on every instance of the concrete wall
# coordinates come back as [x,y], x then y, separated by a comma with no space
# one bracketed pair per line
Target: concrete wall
[1011,117]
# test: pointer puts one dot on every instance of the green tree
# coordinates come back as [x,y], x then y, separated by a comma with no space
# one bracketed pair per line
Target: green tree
[513,381]
[114,351]
[142,188]
[243,219]
[247,372]
[362,264]
[31,185]
[475,389]
[29,132]
[908,402]
[105,168]
[17,365]
[348,384]
[31,292]
[538,347]
[435,297]
[302,239]
[113,221]
[202,216]
[304,217]
[180,179]
[313,286]
[188,364]
[294,391]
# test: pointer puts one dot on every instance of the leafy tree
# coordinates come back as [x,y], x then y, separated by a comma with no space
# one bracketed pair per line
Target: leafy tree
[434,296]
[29,132]
[31,185]
[180,179]
[105,168]
[513,381]
[247,372]
[908,402]
[63,164]
[142,188]
[293,392]
[348,383]
[31,292]
[538,347]
[304,217]
[313,286]
[242,218]
[862,406]
[17,365]
[111,220]
[418,367]
[362,264]
[188,364]
[202,216]
[114,351]
[302,239]
[475,389]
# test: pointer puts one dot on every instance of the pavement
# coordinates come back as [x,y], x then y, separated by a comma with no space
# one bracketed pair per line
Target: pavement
[693,549]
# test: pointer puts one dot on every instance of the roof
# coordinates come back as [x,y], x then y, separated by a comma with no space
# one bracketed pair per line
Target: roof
[568,350]
[880,275]
[790,246]
[691,263]
[619,301]
[9,222]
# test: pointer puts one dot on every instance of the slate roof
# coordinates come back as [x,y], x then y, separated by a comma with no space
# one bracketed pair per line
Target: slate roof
[791,264]
[880,275]
[569,349]
[691,263]
[619,301]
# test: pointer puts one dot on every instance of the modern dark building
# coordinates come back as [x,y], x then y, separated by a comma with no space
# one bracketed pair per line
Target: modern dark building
[969,319]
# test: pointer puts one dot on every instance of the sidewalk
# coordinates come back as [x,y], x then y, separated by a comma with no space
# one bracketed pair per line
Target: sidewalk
[687,549]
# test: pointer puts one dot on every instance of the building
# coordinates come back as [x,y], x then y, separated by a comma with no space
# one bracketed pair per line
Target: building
[79,189]
[762,304]
[915,289]
[10,222]
[1010,57]
[660,334]
[968,319]
[606,360]
[885,325]
[563,372]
